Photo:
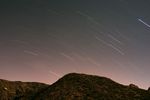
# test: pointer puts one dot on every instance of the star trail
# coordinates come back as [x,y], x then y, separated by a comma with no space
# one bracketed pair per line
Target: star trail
[42,40]
[144,22]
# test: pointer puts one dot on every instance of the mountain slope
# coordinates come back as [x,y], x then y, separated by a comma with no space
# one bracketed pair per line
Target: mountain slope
[72,86]
[19,90]
[87,87]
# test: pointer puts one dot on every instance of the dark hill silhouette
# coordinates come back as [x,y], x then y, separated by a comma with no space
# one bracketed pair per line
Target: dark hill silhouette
[88,87]
[74,87]
[19,90]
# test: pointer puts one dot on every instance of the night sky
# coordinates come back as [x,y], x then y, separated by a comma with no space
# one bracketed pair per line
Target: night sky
[42,40]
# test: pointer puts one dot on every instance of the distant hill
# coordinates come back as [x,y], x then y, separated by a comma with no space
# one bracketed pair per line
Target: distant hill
[19,90]
[72,86]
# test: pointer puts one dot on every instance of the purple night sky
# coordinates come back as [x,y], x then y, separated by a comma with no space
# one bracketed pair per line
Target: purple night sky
[42,40]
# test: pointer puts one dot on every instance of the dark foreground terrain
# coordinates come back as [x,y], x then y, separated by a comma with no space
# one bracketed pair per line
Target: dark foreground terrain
[72,87]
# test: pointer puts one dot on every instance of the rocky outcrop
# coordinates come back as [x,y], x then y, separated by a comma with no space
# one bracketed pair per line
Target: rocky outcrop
[133,86]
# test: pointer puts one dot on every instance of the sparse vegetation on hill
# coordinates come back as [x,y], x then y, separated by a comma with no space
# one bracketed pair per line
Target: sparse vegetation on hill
[19,90]
[72,87]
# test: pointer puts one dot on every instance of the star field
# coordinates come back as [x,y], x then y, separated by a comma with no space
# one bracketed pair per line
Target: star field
[42,40]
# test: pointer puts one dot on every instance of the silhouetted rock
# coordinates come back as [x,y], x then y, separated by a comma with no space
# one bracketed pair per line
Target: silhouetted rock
[72,87]
[149,89]
[133,86]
